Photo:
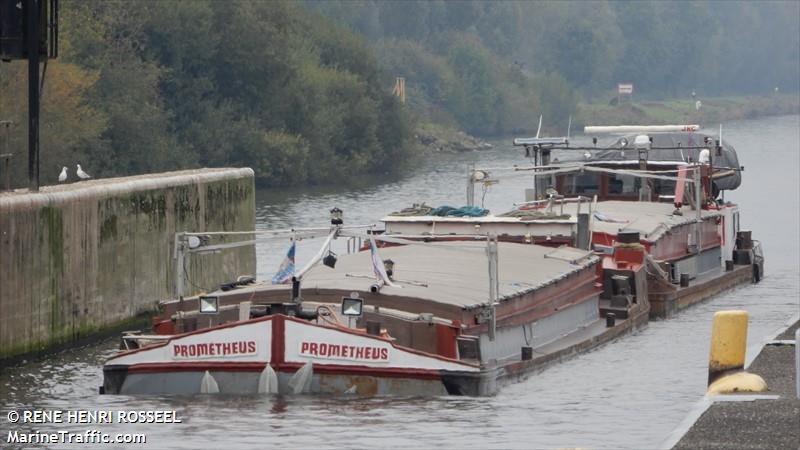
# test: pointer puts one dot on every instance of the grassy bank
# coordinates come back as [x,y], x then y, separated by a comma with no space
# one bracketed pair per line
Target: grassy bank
[713,110]
[432,137]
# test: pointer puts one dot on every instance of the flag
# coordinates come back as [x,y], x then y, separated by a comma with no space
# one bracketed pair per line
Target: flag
[286,270]
[377,265]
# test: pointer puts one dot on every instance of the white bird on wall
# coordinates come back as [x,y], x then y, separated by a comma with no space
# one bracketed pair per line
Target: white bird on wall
[81,174]
[62,177]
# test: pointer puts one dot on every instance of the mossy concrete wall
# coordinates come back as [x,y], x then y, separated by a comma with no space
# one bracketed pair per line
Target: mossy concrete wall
[80,258]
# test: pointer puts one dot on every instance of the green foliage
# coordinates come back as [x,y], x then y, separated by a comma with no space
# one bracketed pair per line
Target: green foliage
[279,157]
[300,90]
[168,85]
[493,67]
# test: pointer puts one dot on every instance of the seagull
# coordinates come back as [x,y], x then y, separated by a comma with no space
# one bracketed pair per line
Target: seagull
[81,174]
[62,177]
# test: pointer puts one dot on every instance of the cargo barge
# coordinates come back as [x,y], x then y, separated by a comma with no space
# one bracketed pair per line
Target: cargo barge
[654,199]
[429,319]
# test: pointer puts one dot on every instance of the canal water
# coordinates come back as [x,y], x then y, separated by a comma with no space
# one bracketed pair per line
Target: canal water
[631,393]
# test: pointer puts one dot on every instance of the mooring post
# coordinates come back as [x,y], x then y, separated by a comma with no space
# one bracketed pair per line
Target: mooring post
[728,343]
[726,358]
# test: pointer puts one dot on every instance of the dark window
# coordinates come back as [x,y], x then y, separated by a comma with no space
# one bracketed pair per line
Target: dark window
[581,183]
[664,187]
[623,184]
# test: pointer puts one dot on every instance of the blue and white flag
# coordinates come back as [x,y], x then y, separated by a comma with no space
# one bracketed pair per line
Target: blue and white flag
[377,265]
[286,270]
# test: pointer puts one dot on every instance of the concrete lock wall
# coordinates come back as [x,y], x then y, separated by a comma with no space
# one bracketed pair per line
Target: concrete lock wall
[80,258]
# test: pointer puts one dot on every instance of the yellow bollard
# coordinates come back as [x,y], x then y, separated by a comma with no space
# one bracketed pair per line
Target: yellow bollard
[728,343]
[726,359]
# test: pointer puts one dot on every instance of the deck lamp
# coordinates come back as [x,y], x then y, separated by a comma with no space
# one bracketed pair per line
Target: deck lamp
[194,242]
[209,305]
[352,306]
[479,175]
[336,216]
[330,259]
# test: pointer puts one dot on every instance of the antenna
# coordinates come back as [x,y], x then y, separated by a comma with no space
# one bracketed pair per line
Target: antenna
[569,125]
[720,134]
[539,130]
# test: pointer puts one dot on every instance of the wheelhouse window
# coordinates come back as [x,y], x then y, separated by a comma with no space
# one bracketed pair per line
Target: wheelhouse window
[614,186]
[626,185]
[581,183]
[664,187]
